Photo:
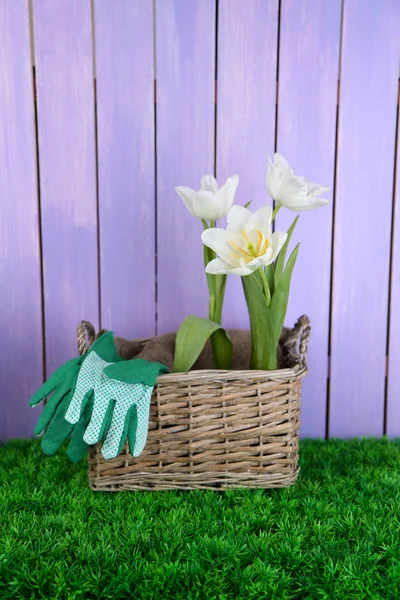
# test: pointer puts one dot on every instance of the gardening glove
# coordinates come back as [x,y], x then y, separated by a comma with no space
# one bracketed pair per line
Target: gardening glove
[63,383]
[121,404]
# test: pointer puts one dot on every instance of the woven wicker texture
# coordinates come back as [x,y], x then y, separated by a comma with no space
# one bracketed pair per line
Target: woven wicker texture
[214,429]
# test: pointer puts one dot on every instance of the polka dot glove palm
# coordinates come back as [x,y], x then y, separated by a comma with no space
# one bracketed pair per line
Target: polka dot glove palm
[121,402]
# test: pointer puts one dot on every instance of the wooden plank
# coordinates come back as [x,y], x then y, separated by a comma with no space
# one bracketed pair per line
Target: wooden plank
[368,97]
[393,404]
[125,117]
[247,55]
[21,367]
[308,80]
[63,44]
[185,151]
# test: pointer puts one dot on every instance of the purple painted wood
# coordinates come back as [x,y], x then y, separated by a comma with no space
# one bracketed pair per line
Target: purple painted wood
[368,97]
[247,55]
[393,404]
[185,151]
[63,43]
[308,76]
[125,117]
[21,368]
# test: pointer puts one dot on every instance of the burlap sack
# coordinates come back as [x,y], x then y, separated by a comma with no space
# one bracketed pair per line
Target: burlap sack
[162,349]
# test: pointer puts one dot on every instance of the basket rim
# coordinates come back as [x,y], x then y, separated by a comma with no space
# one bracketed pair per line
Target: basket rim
[203,375]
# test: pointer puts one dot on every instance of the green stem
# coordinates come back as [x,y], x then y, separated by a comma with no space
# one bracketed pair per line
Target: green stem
[263,347]
[211,307]
[264,280]
[276,210]
[216,289]
[208,255]
[219,298]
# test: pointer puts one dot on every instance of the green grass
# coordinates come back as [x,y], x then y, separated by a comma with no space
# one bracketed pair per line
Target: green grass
[335,534]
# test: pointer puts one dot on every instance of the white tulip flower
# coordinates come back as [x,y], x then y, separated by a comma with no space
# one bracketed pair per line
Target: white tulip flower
[246,244]
[210,202]
[289,190]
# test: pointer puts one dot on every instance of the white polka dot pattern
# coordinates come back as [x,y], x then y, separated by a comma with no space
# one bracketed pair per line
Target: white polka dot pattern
[90,378]
[125,395]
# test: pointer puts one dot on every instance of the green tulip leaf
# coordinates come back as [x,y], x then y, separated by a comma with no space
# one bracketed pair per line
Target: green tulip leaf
[280,261]
[191,339]
[270,275]
[280,298]
[263,345]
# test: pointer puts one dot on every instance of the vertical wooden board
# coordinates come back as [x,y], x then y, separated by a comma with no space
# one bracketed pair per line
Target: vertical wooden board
[21,367]
[64,71]
[125,126]
[393,404]
[367,118]
[185,46]
[308,78]
[247,57]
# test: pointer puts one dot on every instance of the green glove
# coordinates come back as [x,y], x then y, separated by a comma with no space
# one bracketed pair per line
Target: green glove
[63,383]
[122,394]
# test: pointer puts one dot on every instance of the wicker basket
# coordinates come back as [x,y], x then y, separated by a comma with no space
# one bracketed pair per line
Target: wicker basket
[214,429]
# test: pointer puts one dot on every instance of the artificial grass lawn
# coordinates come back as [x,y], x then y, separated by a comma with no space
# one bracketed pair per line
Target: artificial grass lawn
[335,534]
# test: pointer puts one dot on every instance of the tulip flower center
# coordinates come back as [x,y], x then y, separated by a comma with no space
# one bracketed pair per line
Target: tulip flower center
[249,251]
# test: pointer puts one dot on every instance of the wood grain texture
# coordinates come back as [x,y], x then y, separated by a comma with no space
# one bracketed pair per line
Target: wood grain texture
[125,125]
[393,404]
[21,368]
[368,97]
[185,151]
[63,43]
[308,79]
[247,57]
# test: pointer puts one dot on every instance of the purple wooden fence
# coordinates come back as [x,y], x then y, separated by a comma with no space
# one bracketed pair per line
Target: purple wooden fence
[106,106]
[67,167]
[364,190]
[126,167]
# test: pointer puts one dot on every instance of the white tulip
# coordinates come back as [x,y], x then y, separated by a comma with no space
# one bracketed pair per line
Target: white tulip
[210,202]
[293,192]
[246,244]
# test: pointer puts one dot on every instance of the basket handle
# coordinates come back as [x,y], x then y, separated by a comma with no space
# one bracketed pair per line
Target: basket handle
[86,334]
[296,346]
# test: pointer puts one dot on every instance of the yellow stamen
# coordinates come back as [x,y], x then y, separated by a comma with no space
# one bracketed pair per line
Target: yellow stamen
[240,250]
[259,241]
[252,251]
[263,248]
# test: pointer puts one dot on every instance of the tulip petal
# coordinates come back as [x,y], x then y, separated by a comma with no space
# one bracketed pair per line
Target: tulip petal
[308,203]
[273,180]
[315,189]
[277,240]
[280,162]
[237,218]
[261,221]
[187,194]
[219,240]
[220,267]
[209,184]
[267,258]
[206,206]
[252,265]
[227,193]
[294,192]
